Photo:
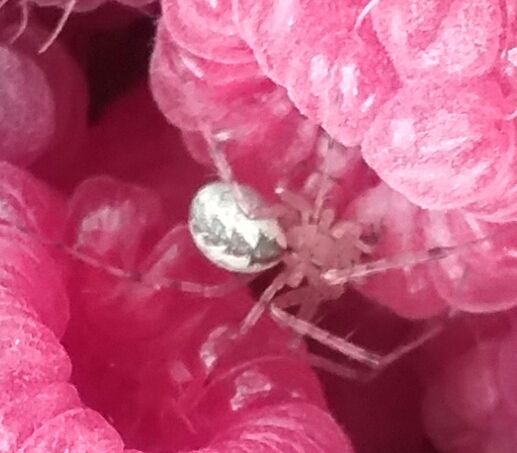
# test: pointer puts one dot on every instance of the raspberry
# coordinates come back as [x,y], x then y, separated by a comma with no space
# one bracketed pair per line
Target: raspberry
[158,359]
[439,38]
[194,29]
[335,77]
[469,402]
[28,116]
[442,146]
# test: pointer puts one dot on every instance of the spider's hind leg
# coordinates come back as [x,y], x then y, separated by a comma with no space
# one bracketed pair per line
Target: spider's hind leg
[153,279]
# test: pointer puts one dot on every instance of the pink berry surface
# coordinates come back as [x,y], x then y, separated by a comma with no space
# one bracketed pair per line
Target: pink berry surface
[378,136]
[442,38]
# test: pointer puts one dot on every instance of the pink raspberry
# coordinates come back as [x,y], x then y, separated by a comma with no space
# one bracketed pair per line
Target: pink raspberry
[440,38]
[336,77]
[143,345]
[49,119]
[469,402]
[443,146]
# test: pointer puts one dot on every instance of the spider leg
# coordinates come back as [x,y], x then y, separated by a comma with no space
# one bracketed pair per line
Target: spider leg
[351,232]
[224,169]
[262,304]
[366,10]
[307,299]
[346,227]
[337,369]
[204,289]
[215,143]
[410,259]
[346,348]
[60,25]
[351,351]
[295,201]
[24,19]
[325,185]
[225,173]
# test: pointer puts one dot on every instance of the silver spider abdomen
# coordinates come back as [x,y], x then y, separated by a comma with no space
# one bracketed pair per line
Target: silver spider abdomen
[227,235]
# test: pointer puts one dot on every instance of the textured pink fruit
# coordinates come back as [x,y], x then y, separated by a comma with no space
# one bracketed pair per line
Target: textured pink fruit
[338,78]
[166,85]
[62,99]
[74,430]
[71,97]
[207,97]
[193,28]
[500,209]
[29,356]
[32,212]
[29,203]
[469,401]
[444,146]
[108,219]
[213,15]
[28,115]
[24,414]
[22,258]
[116,223]
[440,38]
[288,427]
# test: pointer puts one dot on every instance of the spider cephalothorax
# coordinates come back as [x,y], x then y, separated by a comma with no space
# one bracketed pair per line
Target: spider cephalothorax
[316,242]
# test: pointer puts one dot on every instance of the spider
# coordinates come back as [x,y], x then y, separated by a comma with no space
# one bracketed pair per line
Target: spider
[317,255]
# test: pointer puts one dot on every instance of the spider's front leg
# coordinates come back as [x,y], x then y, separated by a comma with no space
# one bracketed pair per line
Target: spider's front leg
[297,268]
[374,361]
[403,260]
[262,304]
